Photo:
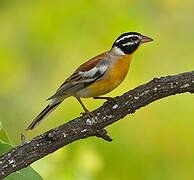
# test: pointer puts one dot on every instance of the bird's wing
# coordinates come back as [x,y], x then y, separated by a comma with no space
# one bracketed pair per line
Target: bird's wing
[87,73]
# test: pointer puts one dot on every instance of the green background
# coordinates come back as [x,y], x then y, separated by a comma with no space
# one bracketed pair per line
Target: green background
[43,42]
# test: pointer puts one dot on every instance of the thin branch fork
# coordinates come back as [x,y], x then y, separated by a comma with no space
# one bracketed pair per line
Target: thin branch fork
[83,127]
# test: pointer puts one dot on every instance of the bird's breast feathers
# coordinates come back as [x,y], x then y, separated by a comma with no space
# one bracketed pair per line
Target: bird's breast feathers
[114,74]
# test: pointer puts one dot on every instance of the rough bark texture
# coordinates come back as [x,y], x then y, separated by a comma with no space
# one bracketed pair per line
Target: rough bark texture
[83,127]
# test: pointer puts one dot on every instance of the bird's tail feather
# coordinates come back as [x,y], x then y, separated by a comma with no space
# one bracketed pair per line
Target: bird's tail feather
[51,107]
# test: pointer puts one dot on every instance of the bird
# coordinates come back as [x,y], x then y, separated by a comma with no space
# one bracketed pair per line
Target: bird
[97,76]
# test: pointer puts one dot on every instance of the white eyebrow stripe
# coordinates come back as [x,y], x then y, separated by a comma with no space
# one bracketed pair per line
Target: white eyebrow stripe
[128,36]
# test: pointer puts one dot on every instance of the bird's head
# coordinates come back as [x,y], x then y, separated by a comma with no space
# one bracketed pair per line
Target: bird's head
[128,43]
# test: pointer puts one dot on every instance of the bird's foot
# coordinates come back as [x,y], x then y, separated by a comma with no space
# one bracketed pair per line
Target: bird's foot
[89,114]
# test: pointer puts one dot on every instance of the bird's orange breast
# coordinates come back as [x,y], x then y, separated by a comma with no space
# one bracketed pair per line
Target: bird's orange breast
[112,78]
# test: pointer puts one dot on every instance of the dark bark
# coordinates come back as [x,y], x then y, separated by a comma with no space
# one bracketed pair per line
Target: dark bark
[83,127]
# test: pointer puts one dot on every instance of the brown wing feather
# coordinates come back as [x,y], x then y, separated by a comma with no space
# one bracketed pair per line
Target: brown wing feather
[85,67]
[91,63]
[67,85]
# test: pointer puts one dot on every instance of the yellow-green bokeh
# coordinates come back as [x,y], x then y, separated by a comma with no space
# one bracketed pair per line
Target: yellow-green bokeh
[42,42]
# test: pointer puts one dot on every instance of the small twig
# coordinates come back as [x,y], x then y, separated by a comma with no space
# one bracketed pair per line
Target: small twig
[23,139]
[104,135]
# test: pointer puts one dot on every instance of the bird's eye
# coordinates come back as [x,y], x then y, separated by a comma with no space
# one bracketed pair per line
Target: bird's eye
[134,38]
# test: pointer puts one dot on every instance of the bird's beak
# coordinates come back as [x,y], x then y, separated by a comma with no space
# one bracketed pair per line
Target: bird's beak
[145,39]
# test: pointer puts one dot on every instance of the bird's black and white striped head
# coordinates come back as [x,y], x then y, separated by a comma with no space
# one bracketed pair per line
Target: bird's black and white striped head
[128,43]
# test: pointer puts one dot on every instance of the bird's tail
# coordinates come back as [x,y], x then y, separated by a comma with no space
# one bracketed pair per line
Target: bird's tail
[51,107]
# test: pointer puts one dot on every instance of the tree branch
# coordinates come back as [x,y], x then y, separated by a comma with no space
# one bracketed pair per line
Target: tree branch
[83,127]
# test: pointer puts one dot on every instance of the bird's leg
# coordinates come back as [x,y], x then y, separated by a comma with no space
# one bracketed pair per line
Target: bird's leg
[107,98]
[90,115]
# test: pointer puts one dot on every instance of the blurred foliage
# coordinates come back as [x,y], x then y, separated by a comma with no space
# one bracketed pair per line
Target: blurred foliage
[42,42]
[24,174]
[3,136]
